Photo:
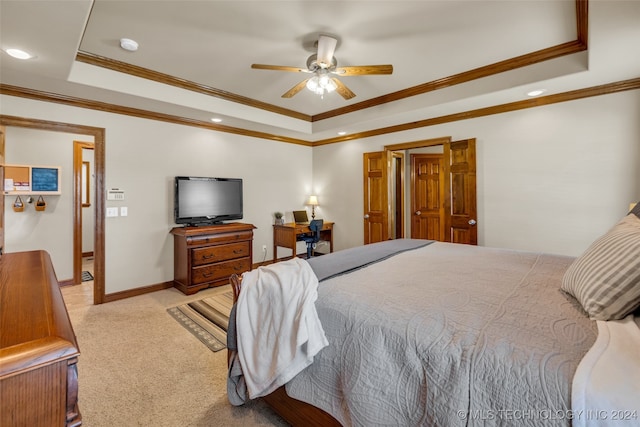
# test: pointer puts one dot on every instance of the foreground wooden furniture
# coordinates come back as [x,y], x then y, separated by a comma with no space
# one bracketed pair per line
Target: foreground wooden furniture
[286,236]
[38,348]
[206,256]
[293,411]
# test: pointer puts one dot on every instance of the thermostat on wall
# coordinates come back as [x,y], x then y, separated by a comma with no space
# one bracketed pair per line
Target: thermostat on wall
[115,194]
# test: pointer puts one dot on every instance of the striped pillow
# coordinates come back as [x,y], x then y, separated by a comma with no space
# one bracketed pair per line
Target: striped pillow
[605,279]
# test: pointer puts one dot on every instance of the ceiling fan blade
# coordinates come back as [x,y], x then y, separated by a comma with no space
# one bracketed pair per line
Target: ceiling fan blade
[344,91]
[361,70]
[279,68]
[297,88]
[326,49]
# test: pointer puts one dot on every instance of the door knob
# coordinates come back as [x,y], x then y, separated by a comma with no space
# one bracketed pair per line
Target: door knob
[472,222]
[418,212]
[366,216]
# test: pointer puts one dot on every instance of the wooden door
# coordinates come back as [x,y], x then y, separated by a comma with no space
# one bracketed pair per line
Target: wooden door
[428,197]
[376,222]
[461,181]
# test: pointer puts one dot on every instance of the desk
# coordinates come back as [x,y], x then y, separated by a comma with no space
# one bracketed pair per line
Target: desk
[286,236]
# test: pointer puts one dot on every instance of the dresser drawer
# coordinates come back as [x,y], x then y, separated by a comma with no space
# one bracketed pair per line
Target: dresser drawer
[206,256]
[211,272]
[219,253]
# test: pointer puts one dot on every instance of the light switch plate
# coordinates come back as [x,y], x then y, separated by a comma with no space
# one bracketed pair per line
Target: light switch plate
[123,211]
[112,212]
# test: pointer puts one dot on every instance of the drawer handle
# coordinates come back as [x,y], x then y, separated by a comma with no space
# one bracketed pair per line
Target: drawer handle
[207,256]
[207,274]
[237,251]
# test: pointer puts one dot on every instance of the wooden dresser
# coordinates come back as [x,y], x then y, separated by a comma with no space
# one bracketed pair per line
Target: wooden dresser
[38,348]
[206,256]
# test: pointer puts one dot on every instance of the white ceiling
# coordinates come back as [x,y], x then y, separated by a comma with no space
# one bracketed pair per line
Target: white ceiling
[214,43]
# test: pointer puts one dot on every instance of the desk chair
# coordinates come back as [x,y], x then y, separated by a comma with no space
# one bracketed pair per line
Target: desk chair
[312,238]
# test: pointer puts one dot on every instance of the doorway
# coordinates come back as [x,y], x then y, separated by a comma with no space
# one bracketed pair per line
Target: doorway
[83,209]
[396,195]
[98,135]
[456,193]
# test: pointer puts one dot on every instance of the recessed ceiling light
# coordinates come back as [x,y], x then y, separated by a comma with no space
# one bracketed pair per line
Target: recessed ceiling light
[128,44]
[216,120]
[342,133]
[536,92]
[19,54]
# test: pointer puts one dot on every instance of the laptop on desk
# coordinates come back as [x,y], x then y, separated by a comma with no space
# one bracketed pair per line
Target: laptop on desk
[300,217]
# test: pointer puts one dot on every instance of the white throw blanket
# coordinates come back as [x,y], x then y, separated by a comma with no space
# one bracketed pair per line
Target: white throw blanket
[278,329]
[606,385]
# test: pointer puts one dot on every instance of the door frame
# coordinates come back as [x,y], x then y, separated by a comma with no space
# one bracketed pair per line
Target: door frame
[99,142]
[388,153]
[452,164]
[2,132]
[422,143]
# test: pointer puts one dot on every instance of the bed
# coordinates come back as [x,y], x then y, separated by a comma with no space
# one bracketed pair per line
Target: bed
[432,333]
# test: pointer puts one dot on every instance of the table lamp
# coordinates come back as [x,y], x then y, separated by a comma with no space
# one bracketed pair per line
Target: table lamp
[313,202]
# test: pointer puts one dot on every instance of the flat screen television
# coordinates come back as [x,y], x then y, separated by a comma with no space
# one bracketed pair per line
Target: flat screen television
[206,200]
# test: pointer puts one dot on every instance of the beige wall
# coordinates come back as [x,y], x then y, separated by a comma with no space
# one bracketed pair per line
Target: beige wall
[549,179]
[142,157]
[51,229]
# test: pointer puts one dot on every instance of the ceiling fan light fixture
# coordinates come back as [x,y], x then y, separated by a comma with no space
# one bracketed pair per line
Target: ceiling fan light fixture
[321,84]
[323,67]
[312,84]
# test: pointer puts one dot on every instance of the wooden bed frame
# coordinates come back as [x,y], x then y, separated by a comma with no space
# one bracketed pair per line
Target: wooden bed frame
[295,412]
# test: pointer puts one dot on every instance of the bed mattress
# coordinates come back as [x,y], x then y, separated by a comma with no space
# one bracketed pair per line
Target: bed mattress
[448,335]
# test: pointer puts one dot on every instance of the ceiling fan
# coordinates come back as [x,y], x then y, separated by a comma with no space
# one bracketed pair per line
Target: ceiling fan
[324,68]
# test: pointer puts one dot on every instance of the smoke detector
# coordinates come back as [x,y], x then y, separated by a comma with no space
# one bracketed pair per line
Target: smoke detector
[129,45]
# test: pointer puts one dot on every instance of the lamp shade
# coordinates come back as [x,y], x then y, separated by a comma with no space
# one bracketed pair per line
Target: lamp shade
[313,201]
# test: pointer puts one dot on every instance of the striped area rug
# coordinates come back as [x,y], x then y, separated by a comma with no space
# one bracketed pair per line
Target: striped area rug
[207,319]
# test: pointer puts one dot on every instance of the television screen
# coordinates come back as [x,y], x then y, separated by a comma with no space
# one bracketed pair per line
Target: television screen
[203,200]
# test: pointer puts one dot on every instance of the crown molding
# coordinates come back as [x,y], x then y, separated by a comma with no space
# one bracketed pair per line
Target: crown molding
[568,48]
[145,73]
[137,112]
[604,89]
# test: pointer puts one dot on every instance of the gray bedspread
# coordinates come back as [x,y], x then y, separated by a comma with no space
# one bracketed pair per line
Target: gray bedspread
[349,260]
[448,335]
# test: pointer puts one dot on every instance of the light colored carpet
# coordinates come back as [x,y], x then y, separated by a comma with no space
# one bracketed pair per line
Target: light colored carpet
[139,367]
